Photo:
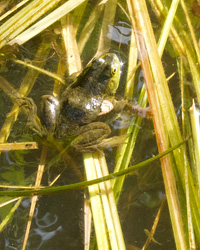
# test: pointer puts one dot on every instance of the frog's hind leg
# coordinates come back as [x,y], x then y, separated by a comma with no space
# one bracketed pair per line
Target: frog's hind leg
[93,137]
[90,136]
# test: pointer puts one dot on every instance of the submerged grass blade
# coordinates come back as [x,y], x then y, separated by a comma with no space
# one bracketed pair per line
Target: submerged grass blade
[191,235]
[195,73]
[96,204]
[161,101]
[194,40]
[132,67]
[10,215]
[109,204]
[71,48]
[89,27]
[17,6]
[153,229]
[167,26]
[23,19]
[50,74]
[38,180]
[194,114]
[18,146]
[46,21]
[108,20]
[127,149]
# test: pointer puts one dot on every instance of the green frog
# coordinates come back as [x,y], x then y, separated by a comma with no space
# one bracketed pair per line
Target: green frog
[84,102]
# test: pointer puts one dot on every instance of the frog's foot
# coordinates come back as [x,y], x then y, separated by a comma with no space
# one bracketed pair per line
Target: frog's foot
[114,141]
[90,136]
[33,122]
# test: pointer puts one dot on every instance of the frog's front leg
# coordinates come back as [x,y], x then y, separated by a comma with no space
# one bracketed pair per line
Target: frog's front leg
[90,136]
[132,109]
[33,122]
[45,123]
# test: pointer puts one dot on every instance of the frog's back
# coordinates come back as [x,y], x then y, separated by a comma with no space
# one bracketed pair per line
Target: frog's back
[81,100]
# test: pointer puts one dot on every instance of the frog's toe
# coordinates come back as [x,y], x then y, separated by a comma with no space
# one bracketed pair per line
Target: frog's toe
[26,102]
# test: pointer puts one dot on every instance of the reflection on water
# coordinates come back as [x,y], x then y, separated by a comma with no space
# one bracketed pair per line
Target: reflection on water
[55,225]
[44,230]
[121,32]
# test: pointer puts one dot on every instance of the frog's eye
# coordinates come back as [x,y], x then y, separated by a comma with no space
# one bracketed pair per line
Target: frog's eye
[113,70]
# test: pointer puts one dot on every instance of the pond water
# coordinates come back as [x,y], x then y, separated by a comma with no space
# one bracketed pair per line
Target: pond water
[58,221]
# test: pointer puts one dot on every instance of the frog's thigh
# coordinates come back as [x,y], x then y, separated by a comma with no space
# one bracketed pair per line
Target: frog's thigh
[91,135]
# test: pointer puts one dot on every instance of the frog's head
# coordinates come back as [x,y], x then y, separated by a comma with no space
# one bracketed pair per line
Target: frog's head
[110,73]
[102,75]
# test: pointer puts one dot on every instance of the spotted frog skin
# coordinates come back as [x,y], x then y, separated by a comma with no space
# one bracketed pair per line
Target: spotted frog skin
[86,98]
